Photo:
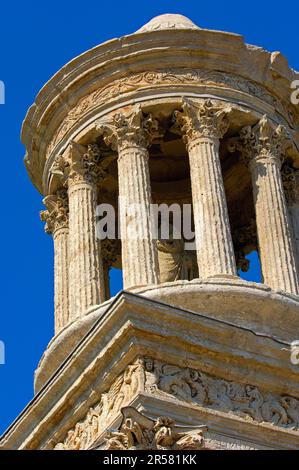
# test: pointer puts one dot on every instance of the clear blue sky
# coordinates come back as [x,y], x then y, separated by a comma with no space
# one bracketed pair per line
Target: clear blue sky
[36,40]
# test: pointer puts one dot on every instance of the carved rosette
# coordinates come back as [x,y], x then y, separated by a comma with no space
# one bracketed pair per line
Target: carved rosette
[56,215]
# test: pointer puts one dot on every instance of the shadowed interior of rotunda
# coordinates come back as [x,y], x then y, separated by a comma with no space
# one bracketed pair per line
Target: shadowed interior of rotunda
[171,185]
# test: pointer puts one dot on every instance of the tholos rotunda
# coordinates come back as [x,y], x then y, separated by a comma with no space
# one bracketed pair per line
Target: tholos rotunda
[197,127]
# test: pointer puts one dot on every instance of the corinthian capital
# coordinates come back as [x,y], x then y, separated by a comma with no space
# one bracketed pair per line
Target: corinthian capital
[290,180]
[127,130]
[202,120]
[80,164]
[264,142]
[56,215]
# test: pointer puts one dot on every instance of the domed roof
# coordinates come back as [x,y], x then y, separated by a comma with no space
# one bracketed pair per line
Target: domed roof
[168,21]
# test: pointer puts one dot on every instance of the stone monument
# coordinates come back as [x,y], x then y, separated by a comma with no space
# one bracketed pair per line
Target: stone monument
[182,358]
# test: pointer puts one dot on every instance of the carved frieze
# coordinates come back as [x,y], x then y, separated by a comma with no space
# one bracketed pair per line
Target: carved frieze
[135,81]
[147,375]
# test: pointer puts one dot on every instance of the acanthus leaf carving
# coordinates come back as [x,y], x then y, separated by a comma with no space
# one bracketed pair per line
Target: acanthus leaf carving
[264,142]
[126,130]
[81,164]
[203,119]
[56,215]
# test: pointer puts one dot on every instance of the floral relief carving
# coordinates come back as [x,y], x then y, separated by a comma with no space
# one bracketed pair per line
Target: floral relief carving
[185,384]
[122,390]
[135,81]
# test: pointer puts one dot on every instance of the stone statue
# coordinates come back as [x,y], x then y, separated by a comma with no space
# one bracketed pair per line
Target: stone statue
[174,262]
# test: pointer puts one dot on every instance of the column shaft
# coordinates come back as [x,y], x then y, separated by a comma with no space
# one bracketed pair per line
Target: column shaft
[84,263]
[214,245]
[263,148]
[273,226]
[56,218]
[130,135]
[294,219]
[61,281]
[139,253]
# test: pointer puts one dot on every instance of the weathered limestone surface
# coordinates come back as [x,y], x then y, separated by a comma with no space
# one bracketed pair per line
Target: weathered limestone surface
[131,135]
[135,357]
[203,126]
[290,178]
[56,218]
[84,264]
[264,147]
[189,358]
[186,384]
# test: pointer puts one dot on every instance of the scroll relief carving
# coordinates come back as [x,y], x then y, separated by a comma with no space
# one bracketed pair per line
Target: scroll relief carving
[133,82]
[184,384]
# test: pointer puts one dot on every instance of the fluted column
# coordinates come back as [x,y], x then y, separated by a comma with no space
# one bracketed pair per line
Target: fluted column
[86,280]
[290,179]
[130,135]
[202,126]
[56,218]
[263,148]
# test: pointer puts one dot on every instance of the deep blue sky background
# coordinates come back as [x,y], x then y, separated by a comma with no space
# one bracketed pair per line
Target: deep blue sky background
[35,41]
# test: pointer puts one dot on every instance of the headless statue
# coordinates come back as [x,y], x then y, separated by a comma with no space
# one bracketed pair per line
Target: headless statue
[174,262]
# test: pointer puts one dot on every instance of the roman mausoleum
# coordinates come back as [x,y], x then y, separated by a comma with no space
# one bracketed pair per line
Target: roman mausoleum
[188,355]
